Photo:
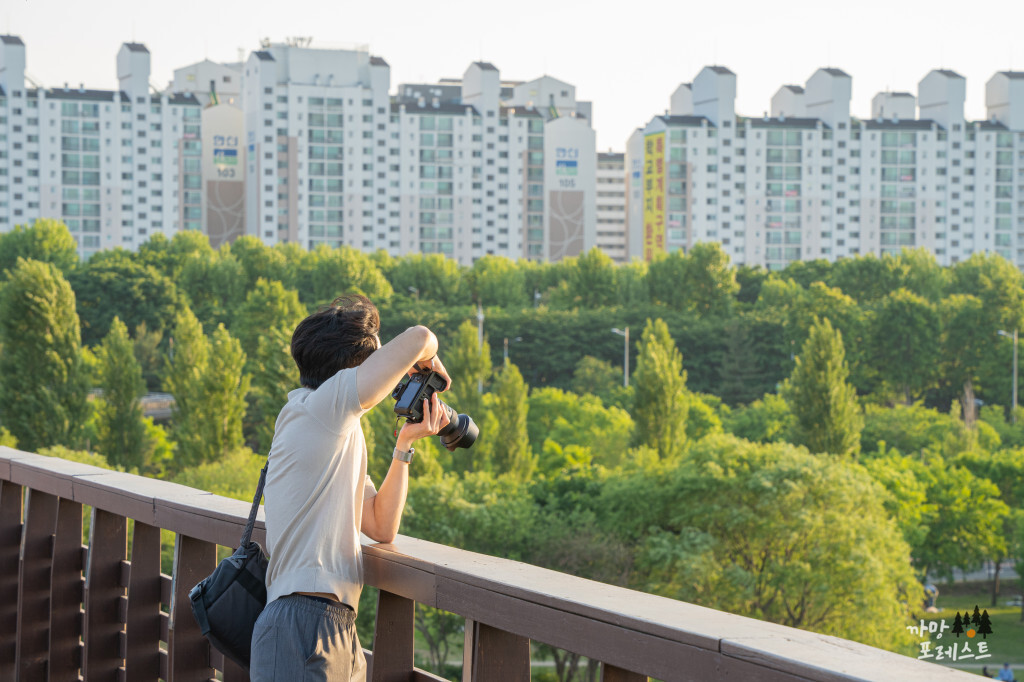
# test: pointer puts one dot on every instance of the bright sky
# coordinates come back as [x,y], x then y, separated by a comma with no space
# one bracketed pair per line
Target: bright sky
[627,57]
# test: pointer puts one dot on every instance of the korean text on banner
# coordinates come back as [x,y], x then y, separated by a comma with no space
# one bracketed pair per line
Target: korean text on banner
[654,195]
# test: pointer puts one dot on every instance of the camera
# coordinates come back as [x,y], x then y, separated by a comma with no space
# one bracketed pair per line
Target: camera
[461,431]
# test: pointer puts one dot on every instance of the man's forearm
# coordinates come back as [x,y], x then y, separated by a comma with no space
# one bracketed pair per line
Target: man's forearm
[389,503]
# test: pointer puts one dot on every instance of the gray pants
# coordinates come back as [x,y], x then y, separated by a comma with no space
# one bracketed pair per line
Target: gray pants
[300,638]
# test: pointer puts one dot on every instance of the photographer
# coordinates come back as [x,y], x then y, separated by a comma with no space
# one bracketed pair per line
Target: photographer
[318,496]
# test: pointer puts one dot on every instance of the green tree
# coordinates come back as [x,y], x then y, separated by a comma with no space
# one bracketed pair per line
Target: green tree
[169,256]
[225,386]
[432,277]
[567,419]
[149,353]
[206,378]
[922,275]
[597,377]
[325,273]
[511,441]
[118,285]
[908,428]
[46,240]
[960,522]
[189,353]
[268,305]
[767,420]
[122,431]
[999,287]
[867,278]
[260,261]
[43,378]
[274,374]
[967,337]
[659,401]
[824,404]
[771,532]
[709,281]
[468,363]
[631,284]
[498,281]
[214,284]
[1006,470]
[904,333]
[592,279]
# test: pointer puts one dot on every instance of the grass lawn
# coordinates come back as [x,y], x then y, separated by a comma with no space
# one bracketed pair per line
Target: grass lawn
[1006,643]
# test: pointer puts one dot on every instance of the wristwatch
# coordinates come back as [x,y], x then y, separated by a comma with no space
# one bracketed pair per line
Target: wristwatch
[403,455]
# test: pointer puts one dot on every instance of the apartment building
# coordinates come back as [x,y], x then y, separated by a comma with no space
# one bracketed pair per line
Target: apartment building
[116,166]
[611,205]
[303,145]
[811,181]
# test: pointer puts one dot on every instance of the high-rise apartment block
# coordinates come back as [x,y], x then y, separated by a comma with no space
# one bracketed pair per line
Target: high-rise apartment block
[303,145]
[611,205]
[811,181]
[313,146]
[115,166]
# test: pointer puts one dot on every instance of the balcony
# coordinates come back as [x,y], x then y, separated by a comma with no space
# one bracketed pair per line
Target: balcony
[126,620]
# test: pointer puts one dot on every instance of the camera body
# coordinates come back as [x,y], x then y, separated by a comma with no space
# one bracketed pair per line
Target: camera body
[409,395]
[461,431]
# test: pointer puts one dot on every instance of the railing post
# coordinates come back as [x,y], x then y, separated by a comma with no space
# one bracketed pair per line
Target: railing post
[188,652]
[108,547]
[10,542]
[34,576]
[393,638]
[66,594]
[142,655]
[492,654]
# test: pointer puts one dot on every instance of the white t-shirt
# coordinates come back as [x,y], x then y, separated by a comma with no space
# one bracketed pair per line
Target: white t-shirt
[316,484]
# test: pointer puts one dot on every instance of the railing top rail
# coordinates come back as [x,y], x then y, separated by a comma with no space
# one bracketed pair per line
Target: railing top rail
[634,630]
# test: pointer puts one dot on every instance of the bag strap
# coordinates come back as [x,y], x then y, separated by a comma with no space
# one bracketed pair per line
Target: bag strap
[255,507]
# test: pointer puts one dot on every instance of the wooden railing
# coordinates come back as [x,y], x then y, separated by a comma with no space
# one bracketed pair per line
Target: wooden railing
[68,610]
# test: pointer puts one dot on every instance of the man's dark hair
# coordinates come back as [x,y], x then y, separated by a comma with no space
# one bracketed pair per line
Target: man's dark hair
[335,337]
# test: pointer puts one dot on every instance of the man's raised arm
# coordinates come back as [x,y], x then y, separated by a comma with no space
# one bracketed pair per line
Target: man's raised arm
[380,373]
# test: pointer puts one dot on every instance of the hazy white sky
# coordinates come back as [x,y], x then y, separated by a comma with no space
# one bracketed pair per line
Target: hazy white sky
[627,57]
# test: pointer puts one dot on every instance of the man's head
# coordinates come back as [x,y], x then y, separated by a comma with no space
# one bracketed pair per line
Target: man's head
[335,337]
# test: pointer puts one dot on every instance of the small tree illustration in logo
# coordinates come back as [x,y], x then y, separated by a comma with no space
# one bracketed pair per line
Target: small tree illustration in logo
[976,616]
[958,625]
[985,625]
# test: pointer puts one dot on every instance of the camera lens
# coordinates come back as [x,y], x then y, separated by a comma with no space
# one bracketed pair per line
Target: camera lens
[461,431]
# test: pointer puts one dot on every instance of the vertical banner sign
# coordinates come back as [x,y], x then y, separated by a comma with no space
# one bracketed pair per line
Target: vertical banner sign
[654,195]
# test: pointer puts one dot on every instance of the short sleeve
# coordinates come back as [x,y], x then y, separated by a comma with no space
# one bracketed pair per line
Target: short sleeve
[336,402]
[369,489]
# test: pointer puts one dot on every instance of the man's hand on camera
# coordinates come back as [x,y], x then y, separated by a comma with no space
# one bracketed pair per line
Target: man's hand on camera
[436,365]
[434,419]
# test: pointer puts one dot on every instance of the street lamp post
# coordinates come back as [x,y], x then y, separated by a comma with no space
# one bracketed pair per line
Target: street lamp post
[1013,410]
[625,355]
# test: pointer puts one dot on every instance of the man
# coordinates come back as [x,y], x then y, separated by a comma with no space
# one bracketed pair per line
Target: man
[318,497]
[1006,675]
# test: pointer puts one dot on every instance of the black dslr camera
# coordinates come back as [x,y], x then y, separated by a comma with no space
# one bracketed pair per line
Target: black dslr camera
[461,431]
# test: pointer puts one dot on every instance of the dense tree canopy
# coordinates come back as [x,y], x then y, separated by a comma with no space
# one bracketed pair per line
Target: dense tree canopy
[712,477]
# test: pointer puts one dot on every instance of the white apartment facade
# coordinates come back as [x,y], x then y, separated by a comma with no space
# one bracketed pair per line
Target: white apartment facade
[116,166]
[458,168]
[813,182]
[303,145]
[611,205]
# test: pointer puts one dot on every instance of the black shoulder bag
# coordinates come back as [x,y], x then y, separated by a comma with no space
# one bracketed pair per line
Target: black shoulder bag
[227,603]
